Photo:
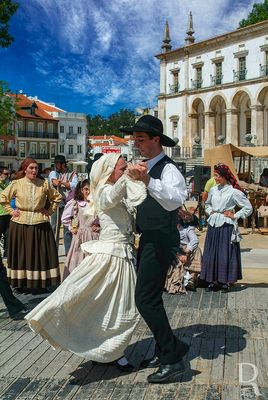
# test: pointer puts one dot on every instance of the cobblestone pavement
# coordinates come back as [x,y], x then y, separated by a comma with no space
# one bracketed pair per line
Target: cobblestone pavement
[223,330]
[227,333]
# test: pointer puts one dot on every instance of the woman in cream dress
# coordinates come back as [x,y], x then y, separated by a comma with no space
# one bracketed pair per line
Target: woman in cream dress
[93,312]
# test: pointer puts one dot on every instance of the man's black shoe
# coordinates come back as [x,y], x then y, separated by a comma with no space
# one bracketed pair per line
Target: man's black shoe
[124,368]
[166,372]
[184,348]
[20,314]
[150,363]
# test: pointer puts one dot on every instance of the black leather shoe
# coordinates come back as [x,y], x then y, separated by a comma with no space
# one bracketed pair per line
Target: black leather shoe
[211,287]
[20,314]
[150,363]
[124,368]
[166,372]
[225,289]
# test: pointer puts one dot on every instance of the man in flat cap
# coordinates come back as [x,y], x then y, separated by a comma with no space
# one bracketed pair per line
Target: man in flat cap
[156,221]
[65,182]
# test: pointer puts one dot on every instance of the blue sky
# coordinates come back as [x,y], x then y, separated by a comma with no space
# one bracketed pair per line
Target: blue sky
[97,56]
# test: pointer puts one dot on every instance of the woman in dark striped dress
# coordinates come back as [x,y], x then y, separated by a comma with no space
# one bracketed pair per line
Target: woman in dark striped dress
[32,252]
[221,264]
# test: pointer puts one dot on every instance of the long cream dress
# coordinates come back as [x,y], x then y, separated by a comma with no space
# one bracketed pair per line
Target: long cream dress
[93,312]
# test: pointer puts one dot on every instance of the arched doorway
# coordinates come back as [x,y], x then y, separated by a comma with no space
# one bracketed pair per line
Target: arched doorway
[218,108]
[197,120]
[262,117]
[242,103]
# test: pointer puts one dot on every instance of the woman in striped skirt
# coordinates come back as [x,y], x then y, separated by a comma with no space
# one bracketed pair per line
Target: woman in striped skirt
[32,253]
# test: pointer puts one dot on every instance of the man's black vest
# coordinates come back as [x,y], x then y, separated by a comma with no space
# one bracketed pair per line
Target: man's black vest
[150,214]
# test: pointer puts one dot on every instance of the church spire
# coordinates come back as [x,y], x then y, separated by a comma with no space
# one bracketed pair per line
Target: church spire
[166,46]
[190,31]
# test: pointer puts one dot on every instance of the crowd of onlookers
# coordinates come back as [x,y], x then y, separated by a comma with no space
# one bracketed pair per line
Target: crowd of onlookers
[34,205]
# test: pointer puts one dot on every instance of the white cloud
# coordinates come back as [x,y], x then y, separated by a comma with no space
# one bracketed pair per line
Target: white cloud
[105,50]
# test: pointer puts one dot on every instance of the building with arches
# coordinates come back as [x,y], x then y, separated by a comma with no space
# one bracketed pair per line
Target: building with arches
[215,91]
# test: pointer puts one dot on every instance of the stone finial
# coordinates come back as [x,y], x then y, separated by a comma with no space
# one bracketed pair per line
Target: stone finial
[190,31]
[166,46]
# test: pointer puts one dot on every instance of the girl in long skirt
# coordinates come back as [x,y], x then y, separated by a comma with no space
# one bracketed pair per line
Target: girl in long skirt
[84,226]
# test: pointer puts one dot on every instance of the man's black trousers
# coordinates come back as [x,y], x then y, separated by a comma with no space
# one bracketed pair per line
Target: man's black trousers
[157,252]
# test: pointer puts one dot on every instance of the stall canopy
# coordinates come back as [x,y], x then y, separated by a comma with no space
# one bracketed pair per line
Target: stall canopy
[226,154]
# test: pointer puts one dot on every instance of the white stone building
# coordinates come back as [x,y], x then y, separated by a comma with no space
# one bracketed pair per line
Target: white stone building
[216,90]
[72,130]
[73,136]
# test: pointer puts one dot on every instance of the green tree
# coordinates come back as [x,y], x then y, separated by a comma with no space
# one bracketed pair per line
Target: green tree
[98,125]
[7,110]
[7,103]
[7,9]
[259,13]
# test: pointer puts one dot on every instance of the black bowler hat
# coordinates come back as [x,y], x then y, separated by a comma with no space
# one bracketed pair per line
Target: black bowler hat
[60,159]
[152,125]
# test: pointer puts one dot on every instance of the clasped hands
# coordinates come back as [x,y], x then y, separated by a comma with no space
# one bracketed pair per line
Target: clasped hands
[138,172]
[59,182]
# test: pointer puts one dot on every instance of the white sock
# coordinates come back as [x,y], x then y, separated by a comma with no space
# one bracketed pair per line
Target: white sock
[122,361]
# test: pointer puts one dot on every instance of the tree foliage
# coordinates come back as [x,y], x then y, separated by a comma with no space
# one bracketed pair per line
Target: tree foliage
[7,103]
[7,9]
[7,110]
[98,125]
[259,13]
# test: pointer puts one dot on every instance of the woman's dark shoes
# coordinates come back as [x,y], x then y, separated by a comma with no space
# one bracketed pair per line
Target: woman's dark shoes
[225,288]
[166,372]
[211,287]
[124,368]
[150,363]
[191,286]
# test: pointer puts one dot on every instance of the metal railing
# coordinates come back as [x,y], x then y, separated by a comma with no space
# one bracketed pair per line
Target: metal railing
[216,80]
[264,70]
[8,153]
[186,152]
[240,75]
[174,88]
[71,135]
[38,135]
[71,156]
[197,83]
[40,156]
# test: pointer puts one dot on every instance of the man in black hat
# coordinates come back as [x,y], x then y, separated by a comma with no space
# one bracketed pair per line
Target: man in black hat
[156,221]
[65,182]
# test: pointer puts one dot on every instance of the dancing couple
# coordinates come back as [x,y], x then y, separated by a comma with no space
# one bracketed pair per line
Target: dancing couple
[93,313]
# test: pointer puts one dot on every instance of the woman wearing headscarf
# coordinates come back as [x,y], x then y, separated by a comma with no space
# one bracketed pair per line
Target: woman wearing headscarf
[221,264]
[32,254]
[93,312]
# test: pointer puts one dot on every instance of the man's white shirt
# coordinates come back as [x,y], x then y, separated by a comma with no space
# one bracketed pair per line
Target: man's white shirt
[170,190]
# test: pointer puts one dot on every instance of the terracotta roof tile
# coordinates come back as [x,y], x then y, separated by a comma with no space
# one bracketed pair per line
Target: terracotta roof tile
[115,138]
[47,107]
[24,102]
